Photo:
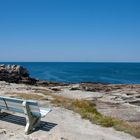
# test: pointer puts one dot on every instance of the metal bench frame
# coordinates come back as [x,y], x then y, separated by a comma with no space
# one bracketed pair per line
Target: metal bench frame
[32,120]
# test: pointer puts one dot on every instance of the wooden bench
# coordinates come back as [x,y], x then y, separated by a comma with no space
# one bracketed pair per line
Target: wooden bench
[28,107]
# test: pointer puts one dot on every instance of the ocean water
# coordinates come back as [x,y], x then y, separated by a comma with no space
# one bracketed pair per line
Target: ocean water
[116,73]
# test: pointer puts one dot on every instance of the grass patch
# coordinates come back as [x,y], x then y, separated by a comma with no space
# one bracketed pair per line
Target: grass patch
[87,110]
[29,96]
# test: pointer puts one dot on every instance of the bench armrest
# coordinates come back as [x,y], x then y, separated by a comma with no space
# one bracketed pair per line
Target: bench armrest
[44,111]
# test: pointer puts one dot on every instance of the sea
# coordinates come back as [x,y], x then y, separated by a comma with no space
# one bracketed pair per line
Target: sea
[76,72]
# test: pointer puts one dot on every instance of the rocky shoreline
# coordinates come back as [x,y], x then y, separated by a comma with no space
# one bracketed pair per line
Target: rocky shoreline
[126,93]
[20,75]
[120,101]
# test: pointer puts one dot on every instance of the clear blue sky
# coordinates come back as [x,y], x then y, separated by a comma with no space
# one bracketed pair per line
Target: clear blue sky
[70,30]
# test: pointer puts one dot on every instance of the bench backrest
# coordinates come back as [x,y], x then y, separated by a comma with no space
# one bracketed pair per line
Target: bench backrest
[16,105]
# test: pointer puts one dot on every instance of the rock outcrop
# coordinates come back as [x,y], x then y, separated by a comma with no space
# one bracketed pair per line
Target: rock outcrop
[14,69]
[19,74]
[101,87]
[15,74]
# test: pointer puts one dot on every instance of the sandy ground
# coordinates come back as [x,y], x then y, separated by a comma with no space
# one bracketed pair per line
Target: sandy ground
[78,94]
[60,124]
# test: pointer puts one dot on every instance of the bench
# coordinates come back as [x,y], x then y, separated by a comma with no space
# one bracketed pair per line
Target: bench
[29,108]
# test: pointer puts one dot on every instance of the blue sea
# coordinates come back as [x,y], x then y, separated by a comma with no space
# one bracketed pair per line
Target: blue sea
[116,73]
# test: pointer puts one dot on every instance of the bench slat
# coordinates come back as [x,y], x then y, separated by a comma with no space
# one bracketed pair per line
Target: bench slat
[11,99]
[12,109]
[15,105]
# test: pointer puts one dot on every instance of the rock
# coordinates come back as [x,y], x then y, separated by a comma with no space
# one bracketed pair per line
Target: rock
[101,87]
[13,69]
[15,74]
[75,87]
[136,102]
[2,131]
[48,83]
[63,138]
[12,134]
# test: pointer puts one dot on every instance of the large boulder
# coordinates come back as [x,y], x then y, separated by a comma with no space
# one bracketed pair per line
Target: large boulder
[14,69]
[15,74]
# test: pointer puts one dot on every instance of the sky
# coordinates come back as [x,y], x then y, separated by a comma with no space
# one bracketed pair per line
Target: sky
[70,30]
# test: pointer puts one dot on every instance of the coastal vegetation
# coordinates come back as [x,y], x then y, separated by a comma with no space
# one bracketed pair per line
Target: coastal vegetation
[87,110]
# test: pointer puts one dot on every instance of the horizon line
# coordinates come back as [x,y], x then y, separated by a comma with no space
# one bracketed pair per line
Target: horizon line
[68,62]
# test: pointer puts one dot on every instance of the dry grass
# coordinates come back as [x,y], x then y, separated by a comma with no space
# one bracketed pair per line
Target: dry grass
[28,96]
[87,110]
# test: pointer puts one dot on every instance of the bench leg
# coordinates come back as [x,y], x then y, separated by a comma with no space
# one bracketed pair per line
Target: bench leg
[32,122]
[28,128]
[37,122]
